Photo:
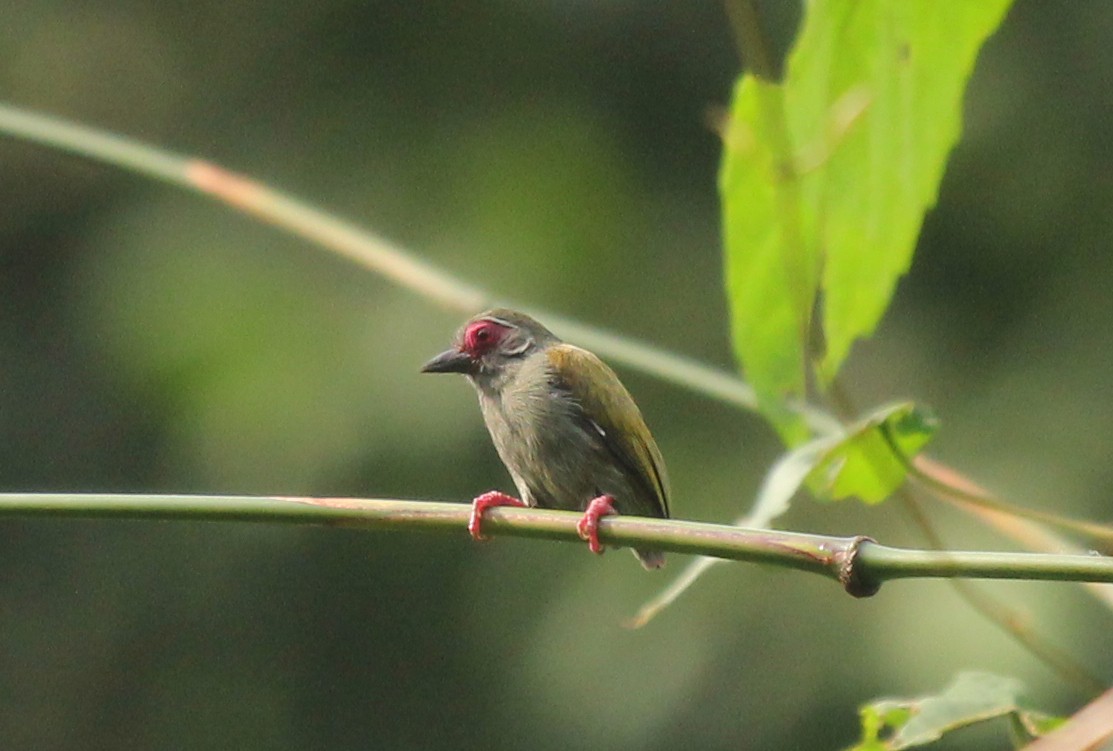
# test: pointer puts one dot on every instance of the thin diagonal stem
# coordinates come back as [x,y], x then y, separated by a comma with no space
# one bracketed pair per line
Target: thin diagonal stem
[369,250]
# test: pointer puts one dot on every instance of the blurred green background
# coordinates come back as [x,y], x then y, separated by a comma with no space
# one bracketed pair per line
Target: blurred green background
[557,154]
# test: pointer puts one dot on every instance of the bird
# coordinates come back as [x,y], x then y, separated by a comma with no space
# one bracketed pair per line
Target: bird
[568,431]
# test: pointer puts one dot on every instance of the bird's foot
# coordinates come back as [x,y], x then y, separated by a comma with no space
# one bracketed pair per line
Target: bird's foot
[588,526]
[488,500]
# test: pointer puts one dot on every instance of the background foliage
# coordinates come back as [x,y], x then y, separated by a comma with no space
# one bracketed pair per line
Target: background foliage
[556,154]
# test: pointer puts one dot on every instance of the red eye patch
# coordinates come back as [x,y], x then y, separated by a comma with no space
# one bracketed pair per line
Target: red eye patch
[482,336]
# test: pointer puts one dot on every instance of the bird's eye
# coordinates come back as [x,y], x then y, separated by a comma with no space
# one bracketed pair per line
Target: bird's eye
[481,337]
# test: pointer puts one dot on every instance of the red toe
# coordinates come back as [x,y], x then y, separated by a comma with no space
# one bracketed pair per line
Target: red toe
[490,499]
[588,526]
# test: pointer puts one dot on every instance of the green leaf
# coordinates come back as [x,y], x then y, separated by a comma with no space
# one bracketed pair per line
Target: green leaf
[833,170]
[893,724]
[880,718]
[771,273]
[868,460]
[871,459]
[910,60]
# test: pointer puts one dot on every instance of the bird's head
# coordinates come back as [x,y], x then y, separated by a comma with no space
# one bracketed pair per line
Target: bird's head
[492,346]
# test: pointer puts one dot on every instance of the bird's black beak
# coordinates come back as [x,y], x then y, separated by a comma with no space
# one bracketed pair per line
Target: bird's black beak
[452,361]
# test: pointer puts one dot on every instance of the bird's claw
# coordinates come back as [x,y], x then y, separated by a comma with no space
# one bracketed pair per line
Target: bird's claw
[588,526]
[479,506]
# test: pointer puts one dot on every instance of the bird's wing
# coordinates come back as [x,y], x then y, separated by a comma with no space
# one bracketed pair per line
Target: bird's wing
[612,413]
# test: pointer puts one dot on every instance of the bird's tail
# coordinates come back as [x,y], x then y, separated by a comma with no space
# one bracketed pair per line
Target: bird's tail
[650,559]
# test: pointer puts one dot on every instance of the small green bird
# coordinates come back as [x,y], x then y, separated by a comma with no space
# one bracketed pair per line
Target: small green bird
[563,424]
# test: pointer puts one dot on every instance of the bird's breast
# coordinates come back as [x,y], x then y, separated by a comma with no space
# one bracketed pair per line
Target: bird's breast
[537,434]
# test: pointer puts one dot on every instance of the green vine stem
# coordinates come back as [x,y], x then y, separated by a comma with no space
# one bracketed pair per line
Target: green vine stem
[858,563]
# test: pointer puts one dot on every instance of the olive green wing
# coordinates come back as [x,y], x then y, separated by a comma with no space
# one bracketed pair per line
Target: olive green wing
[611,412]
